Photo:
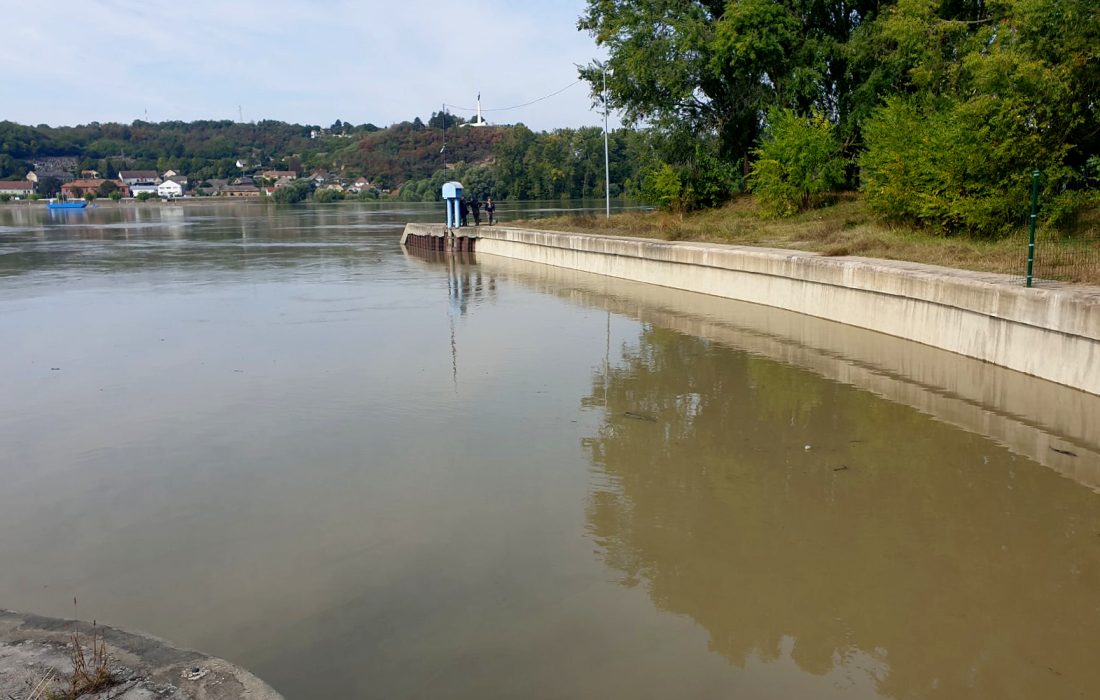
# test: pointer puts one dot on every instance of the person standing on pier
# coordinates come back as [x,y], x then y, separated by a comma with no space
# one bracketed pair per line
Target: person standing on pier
[476,206]
[490,209]
[463,211]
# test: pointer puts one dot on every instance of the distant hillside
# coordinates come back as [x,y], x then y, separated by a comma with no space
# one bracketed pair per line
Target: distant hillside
[506,161]
[212,149]
[409,151]
[201,149]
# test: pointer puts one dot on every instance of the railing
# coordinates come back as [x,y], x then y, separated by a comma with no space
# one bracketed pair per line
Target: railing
[1067,256]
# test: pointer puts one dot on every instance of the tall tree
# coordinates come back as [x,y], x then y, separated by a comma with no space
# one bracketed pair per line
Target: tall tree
[717,67]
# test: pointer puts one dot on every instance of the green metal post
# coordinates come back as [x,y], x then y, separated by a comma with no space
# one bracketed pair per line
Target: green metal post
[1031,224]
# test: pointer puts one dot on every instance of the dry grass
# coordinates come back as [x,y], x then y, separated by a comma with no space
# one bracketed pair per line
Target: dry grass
[89,674]
[848,228]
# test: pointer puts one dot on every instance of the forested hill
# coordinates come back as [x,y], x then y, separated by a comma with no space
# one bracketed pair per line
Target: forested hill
[213,149]
[413,150]
[410,157]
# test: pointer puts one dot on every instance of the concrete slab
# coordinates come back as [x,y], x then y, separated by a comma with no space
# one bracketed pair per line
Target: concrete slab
[36,660]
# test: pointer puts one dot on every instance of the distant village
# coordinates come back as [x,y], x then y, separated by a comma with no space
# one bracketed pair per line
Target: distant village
[54,177]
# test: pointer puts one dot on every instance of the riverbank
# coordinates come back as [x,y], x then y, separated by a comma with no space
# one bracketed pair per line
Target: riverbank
[36,662]
[1050,333]
[108,203]
[849,228]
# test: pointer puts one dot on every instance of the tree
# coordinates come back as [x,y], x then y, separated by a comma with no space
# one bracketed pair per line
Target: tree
[716,67]
[796,164]
[107,187]
[326,195]
[663,187]
[48,186]
[985,99]
[436,121]
[292,193]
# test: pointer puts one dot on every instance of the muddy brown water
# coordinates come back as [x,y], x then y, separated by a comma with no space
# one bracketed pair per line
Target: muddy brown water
[273,435]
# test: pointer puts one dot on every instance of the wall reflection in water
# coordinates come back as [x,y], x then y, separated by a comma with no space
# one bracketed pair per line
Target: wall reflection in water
[798,517]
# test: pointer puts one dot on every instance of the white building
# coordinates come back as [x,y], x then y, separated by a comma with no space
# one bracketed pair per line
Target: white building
[134,177]
[148,188]
[169,189]
[17,188]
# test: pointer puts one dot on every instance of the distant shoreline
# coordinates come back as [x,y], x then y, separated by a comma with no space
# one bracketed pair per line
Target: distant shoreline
[131,202]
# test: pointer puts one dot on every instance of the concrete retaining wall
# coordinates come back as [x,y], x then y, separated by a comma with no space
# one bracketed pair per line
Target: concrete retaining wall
[1052,333]
[1048,423]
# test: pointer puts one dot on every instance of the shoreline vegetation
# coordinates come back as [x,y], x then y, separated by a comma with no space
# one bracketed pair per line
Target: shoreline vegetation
[848,227]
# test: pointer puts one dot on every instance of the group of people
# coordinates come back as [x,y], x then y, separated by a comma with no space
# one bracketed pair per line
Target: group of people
[468,205]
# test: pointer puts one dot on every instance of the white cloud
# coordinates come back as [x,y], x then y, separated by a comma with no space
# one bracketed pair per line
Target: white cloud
[113,60]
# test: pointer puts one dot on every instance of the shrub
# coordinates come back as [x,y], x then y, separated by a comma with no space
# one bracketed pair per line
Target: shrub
[705,181]
[798,163]
[295,192]
[710,180]
[958,166]
[115,195]
[324,196]
[144,196]
[662,186]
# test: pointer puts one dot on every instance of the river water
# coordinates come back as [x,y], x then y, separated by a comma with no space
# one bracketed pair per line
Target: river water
[273,435]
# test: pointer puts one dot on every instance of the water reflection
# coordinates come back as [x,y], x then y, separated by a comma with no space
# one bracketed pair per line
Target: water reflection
[789,515]
[373,474]
[1045,422]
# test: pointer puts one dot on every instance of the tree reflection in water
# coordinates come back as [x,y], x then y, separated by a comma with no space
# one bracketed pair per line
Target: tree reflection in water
[771,505]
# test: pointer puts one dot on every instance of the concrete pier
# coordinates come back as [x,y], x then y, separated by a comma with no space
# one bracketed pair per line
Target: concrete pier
[439,238]
[1051,333]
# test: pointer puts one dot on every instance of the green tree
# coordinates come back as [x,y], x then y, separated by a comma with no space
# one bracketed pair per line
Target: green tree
[293,193]
[326,196]
[663,187]
[715,67]
[988,93]
[48,186]
[797,163]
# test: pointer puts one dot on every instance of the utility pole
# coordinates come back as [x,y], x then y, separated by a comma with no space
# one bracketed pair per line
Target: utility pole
[606,159]
[443,150]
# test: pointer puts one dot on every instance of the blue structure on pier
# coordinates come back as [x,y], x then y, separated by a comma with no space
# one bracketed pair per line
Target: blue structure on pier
[452,194]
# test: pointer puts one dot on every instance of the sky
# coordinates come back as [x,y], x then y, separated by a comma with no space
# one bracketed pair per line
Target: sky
[304,61]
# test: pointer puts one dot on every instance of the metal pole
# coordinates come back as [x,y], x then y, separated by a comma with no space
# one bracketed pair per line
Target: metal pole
[606,159]
[1031,224]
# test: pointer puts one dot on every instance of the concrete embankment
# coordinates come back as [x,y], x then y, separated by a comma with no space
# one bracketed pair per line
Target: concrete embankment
[1048,423]
[1051,333]
[36,662]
